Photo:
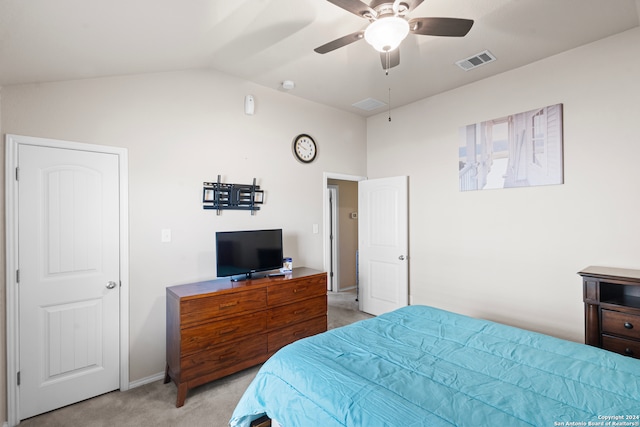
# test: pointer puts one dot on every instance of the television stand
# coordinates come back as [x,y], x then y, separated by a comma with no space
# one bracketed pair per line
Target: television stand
[218,327]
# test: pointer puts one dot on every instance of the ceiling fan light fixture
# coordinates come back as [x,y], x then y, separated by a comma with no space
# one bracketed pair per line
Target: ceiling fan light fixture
[387,33]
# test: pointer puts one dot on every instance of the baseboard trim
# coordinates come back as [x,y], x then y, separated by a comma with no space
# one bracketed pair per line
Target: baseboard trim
[132,384]
[147,380]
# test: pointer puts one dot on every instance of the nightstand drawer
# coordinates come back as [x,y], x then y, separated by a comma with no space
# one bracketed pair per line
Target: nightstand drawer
[621,345]
[287,291]
[622,324]
[282,337]
[193,312]
[293,313]
[219,358]
[215,333]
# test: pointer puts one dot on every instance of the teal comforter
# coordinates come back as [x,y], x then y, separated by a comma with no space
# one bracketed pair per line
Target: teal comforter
[421,366]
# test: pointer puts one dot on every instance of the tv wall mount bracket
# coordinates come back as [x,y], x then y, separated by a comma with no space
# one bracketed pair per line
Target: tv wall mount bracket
[220,196]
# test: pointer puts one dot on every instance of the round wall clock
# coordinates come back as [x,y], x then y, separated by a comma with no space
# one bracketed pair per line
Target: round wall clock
[304,148]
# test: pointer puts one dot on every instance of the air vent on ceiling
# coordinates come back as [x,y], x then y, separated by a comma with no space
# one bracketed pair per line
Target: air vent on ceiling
[476,60]
[369,104]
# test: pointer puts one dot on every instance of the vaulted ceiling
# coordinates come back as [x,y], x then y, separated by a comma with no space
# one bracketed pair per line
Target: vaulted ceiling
[270,41]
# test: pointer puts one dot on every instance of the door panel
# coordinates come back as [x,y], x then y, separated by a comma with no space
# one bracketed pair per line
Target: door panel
[68,239]
[383,246]
[72,338]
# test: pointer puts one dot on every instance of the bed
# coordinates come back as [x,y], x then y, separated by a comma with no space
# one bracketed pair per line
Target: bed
[422,366]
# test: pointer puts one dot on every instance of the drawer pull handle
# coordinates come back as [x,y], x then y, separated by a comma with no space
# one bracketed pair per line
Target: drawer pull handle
[300,333]
[295,291]
[628,351]
[228,304]
[628,325]
[228,331]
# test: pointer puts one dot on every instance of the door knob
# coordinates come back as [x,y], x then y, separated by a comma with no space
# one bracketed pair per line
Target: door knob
[111,285]
[401,257]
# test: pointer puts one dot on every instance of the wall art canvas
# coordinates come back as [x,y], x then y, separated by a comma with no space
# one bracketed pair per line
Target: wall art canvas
[519,150]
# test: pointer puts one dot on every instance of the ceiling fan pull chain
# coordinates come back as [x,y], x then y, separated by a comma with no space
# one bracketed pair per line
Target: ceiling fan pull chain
[389,104]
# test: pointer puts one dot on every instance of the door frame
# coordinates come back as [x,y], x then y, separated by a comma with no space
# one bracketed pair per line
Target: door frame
[326,176]
[333,196]
[11,245]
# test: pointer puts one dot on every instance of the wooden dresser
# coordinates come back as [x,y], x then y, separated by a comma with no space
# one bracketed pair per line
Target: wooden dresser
[612,309]
[219,327]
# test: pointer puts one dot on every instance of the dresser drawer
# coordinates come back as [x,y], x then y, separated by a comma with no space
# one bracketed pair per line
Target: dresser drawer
[622,324]
[284,336]
[293,313]
[219,358]
[212,334]
[294,290]
[621,345]
[199,310]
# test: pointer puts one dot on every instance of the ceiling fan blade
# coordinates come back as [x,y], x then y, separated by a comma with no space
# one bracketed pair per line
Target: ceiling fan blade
[356,7]
[448,27]
[390,59]
[342,41]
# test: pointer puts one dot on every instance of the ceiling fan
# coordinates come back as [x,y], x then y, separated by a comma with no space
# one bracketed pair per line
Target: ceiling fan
[389,26]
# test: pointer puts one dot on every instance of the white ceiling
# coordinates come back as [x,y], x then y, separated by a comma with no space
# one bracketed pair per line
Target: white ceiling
[269,41]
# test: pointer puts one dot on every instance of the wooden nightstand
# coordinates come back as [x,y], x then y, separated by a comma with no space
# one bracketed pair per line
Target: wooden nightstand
[612,309]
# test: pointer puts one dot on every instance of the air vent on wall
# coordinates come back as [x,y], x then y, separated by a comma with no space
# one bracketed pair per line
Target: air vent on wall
[476,60]
[369,104]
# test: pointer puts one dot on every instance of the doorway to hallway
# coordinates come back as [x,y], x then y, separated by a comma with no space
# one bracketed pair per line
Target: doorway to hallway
[341,231]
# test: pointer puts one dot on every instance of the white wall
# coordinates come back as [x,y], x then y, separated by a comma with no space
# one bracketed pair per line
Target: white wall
[512,254]
[181,129]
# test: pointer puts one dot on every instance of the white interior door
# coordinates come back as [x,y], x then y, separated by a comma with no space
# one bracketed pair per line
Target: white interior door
[383,244]
[68,246]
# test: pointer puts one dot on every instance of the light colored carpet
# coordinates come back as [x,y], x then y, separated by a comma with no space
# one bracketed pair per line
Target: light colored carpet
[154,404]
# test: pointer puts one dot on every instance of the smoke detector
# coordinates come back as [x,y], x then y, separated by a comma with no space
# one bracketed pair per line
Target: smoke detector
[288,85]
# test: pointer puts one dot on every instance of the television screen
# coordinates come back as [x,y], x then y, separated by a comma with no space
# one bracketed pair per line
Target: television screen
[247,252]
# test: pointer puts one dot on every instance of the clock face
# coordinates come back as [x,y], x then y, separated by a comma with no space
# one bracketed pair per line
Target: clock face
[304,148]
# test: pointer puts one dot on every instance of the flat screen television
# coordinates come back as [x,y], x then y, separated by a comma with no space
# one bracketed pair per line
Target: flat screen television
[247,252]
